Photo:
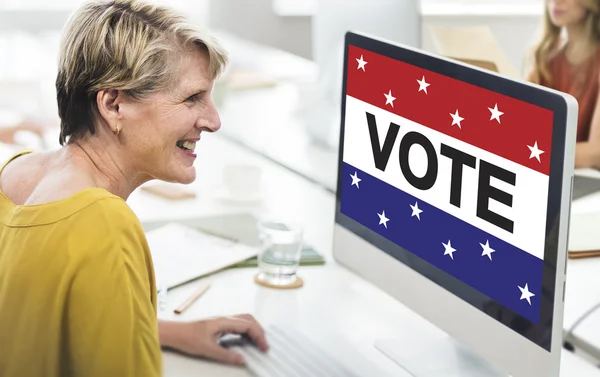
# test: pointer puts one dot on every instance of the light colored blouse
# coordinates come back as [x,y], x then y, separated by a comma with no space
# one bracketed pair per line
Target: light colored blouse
[77,289]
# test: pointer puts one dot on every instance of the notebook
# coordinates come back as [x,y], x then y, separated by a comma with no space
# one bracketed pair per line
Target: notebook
[182,253]
[242,227]
[584,238]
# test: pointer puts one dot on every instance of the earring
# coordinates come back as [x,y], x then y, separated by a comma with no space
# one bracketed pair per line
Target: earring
[118,130]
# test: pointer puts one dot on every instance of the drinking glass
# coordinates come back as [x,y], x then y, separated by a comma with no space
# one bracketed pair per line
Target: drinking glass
[279,253]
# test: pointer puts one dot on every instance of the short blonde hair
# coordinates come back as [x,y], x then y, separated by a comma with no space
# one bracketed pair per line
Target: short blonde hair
[125,45]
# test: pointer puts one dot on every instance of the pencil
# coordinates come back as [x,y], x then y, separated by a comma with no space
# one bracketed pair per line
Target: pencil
[199,292]
[584,254]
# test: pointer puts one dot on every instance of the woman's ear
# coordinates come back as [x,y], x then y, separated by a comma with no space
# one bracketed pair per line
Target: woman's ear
[108,102]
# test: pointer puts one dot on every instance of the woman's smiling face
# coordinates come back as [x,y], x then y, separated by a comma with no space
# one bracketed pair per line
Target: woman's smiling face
[161,131]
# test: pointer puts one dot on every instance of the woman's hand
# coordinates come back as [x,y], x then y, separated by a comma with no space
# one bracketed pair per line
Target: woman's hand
[200,338]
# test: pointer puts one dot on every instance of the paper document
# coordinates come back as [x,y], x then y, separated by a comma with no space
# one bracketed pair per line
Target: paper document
[181,253]
[583,232]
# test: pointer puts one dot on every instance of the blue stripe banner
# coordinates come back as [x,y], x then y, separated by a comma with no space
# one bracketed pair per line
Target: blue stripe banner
[497,269]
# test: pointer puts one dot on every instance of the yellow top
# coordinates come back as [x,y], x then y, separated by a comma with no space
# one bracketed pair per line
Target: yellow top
[77,290]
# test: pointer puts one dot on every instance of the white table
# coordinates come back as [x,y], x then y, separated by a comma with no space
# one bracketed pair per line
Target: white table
[583,294]
[333,298]
[587,334]
[583,275]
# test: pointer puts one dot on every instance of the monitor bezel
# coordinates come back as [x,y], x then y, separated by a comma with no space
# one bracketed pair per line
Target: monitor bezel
[561,170]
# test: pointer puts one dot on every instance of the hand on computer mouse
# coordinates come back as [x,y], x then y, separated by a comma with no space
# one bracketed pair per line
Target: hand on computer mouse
[200,338]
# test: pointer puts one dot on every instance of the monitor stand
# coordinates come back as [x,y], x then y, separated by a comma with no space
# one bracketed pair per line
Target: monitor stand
[442,357]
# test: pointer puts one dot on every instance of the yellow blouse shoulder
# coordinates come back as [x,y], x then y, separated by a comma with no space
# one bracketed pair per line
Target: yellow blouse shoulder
[108,220]
[113,294]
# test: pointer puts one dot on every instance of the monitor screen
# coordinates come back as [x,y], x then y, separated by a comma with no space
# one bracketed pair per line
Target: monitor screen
[450,170]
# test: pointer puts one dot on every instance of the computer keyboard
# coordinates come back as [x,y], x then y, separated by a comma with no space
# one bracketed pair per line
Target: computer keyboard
[290,354]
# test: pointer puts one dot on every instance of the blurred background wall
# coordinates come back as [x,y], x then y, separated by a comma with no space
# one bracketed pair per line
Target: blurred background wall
[30,30]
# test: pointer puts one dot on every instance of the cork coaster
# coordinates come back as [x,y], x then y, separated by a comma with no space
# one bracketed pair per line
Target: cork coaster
[296,284]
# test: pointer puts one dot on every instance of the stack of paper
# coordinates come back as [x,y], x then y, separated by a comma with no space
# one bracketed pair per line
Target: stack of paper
[181,254]
[583,239]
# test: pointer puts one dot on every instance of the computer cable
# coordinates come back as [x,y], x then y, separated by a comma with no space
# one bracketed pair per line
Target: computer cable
[590,311]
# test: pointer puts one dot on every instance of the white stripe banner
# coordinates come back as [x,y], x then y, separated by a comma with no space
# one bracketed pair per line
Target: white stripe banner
[486,196]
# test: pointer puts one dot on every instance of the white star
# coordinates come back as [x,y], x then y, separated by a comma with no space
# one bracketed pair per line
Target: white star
[449,249]
[525,294]
[355,179]
[389,100]
[361,63]
[416,211]
[382,219]
[456,119]
[495,113]
[535,152]
[487,250]
[423,85]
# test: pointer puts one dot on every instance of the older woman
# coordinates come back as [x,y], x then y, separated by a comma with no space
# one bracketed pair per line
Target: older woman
[77,289]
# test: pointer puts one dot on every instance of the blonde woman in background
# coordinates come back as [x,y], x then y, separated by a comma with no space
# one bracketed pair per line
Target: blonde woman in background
[567,58]
[77,288]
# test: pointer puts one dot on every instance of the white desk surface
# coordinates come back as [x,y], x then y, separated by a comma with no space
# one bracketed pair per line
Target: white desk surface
[587,334]
[583,275]
[333,298]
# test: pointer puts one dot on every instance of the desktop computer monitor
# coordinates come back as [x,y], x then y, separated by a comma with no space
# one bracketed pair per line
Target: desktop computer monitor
[453,196]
